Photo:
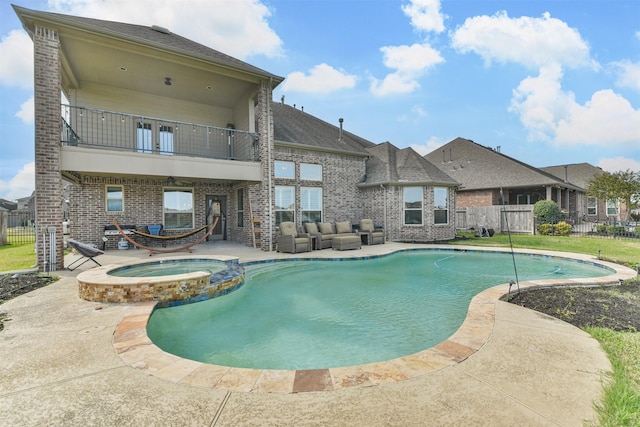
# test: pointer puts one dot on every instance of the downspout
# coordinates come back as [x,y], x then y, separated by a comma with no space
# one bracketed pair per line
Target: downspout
[269,183]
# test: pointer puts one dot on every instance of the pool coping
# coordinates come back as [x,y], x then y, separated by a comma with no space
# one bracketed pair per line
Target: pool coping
[135,348]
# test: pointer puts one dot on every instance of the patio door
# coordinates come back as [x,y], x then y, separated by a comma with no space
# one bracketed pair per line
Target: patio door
[217,207]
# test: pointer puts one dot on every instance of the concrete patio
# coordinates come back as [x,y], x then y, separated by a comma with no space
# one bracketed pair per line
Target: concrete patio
[59,367]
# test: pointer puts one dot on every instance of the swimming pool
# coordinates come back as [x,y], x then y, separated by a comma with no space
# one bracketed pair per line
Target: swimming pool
[169,267]
[328,313]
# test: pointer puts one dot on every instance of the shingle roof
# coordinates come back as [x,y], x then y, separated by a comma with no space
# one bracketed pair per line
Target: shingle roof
[291,125]
[577,174]
[391,165]
[479,167]
[146,35]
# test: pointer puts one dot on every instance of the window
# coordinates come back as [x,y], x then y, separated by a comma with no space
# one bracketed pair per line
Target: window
[144,138]
[612,209]
[311,204]
[178,208]
[166,140]
[592,206]
[310,172]
[284,169]
[413,205]
[285,203]
[440,205]
[240,207]
[115,199]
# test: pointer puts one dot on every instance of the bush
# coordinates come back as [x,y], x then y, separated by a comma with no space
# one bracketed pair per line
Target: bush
[545,229]
[601,229]
[547,211]
[563,228]
[636,231]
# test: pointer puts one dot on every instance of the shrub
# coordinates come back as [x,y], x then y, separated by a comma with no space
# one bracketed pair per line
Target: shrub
[636,231]
[547,211]
[545,229]
[601,229]
[563,228]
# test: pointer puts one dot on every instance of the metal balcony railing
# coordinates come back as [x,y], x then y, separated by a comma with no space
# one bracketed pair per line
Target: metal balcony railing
[88,127]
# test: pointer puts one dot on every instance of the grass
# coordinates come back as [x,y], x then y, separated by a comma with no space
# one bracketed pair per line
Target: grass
[621,403]
[17,257]
[621,251]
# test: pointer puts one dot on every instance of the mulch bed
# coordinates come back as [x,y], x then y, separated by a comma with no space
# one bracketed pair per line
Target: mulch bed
[12,286]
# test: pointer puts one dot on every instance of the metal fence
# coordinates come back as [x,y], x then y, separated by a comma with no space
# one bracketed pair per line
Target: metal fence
[19,229]
[607,229]
[93,128]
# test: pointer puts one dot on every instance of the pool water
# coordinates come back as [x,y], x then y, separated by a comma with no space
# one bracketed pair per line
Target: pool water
[168,267]
[323,314]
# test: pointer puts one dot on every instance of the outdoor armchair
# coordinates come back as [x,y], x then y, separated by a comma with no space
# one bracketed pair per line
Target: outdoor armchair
[291,241]
[371,234]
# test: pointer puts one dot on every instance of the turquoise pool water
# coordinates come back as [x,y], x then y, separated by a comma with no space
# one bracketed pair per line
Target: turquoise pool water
[324,314]
[168,267]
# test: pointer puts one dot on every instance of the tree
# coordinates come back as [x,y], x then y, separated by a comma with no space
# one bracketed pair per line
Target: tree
[618,186]
[547,211]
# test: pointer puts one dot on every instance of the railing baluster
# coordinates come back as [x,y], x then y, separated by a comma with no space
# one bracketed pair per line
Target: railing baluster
[100,128]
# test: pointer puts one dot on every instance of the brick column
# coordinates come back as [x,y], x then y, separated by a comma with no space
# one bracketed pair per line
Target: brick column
[262,206]
[48,181]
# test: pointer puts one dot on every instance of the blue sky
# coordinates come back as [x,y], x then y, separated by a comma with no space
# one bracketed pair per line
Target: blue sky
[550,82]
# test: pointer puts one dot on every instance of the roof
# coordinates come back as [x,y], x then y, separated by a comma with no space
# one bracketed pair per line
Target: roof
[158,37]
[392,165]
[294,126]
[578,173]
[478,167]
[7,205]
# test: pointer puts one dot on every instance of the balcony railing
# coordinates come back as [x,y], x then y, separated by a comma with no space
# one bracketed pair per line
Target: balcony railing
[86,127]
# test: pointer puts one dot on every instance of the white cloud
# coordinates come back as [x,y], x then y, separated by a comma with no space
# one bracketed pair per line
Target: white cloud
[430,145]
[531,42]
[425,15]
[239,28]
[618,164]
[21,185]
[551,114]
[322,78]
[26,112]
[628,74]
[410,63]
[16,66]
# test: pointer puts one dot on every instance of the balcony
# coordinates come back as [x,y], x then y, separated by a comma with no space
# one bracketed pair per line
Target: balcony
[85,127]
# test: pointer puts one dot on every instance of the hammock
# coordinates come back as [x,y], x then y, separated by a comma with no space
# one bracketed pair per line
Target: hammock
[166,251]
[170,237]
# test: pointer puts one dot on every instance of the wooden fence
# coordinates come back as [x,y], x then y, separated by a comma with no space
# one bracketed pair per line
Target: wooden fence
[514,218]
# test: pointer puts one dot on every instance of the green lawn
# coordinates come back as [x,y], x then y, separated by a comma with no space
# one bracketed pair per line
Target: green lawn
[17,257]
[621,251]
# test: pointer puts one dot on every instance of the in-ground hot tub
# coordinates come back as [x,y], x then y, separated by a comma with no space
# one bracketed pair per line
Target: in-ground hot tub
[170,281]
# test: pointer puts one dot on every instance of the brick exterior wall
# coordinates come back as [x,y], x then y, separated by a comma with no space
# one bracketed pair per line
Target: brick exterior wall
[48,182]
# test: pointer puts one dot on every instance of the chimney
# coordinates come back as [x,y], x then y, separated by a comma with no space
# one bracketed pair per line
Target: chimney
[341,120]
[282,99]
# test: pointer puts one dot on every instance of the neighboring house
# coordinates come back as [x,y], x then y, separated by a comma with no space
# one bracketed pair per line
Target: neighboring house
[490,178]
[592,209]
[26,203]
[158,129]
[7,206]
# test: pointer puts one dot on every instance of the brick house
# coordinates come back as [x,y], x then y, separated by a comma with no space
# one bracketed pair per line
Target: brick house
[157,129]
[484,172]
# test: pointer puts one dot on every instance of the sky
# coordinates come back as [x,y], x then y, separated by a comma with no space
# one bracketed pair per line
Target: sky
[549,82]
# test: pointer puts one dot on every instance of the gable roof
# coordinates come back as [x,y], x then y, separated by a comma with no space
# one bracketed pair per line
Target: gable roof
[153,36]
[578,173]
[295,127]
[392,165]
[478,167]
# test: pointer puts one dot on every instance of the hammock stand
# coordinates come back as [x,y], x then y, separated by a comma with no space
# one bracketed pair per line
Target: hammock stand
[170,237]
[166,251]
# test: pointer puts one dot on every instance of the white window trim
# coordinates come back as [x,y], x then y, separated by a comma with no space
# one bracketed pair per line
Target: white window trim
[106,197]
[446,208]
[280,165]
[312,167]
[185,189]
[404,206]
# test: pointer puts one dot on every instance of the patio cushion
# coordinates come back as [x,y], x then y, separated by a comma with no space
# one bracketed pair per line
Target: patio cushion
[311,228]
[288,229]
[325,228]
[343,227]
